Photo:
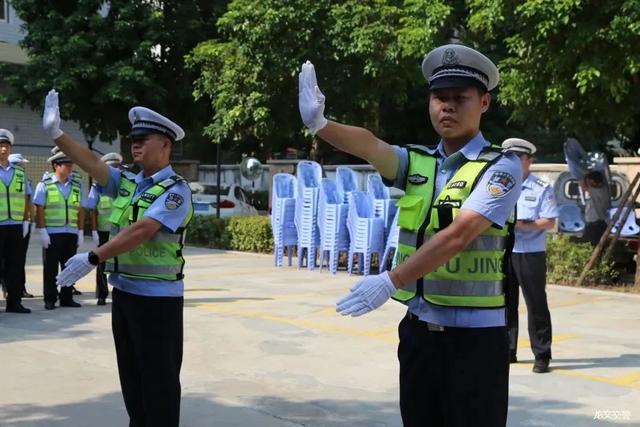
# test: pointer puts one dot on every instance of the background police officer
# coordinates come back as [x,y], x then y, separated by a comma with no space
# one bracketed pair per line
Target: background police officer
[19,159]
[537,213]
[150,214]
[453,348]
[60,202]
[13,223]
[100,205]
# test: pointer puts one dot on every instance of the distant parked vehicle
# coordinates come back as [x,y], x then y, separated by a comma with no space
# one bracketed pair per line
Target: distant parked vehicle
[233,200]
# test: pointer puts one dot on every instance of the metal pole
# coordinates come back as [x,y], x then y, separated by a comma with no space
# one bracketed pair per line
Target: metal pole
[218,179]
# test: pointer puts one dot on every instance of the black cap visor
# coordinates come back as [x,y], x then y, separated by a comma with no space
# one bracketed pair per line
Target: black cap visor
[448,82]
[140,132]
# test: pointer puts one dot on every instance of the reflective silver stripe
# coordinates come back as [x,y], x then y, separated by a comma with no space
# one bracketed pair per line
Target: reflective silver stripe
[463,288]
[484,243]
[145,269]
[409,238]
[166,237]
[410,287]
[114,229]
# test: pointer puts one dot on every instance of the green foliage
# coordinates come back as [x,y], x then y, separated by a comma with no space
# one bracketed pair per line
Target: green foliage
[209,231]
[570,64]
[105,57]
[251,234]
[566,259]
[366,55]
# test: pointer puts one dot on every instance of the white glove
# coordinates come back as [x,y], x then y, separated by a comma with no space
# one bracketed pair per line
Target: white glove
[26,226]
[310,99]
[366,295]
[51,115]
[75,269]
[80,237]
[45,240]
[95,237]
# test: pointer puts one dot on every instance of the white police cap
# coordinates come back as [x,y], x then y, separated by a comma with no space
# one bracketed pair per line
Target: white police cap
[17,158]
[456,65]
[145,121]
[110,158]
[55,149]
[59,157]
[6,136]
[518,145]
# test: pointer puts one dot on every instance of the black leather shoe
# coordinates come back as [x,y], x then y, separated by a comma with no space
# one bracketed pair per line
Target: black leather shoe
[513,358]
[101,301]
[17,308]
[541,366]
[26,294]
[71,303]
[75,291]
[49,305]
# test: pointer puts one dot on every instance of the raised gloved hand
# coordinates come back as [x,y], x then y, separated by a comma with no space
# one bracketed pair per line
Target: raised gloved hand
[80,237]
[310,99]
[95,237]
[75,269]
[51,115]
[366,295]
[26,227]
[45,240]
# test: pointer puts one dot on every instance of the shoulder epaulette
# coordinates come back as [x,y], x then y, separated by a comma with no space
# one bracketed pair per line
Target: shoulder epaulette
[541,182]
[129,175]
[489,154]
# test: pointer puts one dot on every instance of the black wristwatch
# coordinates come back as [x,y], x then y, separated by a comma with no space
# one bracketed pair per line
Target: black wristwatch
[93,258]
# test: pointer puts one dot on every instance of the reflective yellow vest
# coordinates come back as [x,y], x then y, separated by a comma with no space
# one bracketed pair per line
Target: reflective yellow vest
[12,199]
[474,278]
[58,210]
[105,204]
[160,257]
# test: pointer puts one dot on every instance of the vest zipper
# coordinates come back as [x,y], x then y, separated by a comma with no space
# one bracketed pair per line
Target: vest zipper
[423,228]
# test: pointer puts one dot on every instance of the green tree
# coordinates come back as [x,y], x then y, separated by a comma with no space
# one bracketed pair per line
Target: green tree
[569,65]
[366,53]
[105,57]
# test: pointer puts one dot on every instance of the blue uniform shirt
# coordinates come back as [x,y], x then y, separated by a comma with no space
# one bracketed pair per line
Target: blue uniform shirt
[536,201]
[40,199]
[171,219]
[94,196]
[495,209]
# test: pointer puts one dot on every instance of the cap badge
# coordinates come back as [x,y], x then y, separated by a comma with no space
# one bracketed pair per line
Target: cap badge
[449,57]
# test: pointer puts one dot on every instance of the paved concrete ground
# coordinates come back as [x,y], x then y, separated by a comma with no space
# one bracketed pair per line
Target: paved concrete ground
[264,347]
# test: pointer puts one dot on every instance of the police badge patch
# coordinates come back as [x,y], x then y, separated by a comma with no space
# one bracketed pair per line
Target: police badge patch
[173,201]
[417,179]
[500,184]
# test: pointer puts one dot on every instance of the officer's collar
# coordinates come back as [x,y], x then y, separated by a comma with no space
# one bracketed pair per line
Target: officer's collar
[471,150]
[54,178]
[161,175]
[9,166]
[529,181]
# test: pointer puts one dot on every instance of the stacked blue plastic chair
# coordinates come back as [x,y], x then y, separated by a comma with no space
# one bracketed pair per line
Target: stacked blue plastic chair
[332,222]
[366,232]
[570,218]
[630,227]
[347,181]
[309,176]
[283,211]
[391,244]
[384,207]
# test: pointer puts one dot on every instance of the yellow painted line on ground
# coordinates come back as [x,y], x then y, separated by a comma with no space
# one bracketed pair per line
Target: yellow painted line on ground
[631,380]
[524,342]
[381,335]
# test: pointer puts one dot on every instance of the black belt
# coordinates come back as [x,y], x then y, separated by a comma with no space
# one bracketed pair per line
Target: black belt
[430,326]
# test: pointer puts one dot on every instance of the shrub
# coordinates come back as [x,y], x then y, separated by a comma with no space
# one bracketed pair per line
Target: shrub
[566,259]
[208,231]
[251,233]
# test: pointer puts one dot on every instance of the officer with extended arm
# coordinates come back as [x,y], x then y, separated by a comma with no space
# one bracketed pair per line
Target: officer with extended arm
[455,236]
[150,213]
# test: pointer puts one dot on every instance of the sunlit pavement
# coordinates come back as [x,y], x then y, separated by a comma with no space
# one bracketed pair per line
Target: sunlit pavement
[264,347]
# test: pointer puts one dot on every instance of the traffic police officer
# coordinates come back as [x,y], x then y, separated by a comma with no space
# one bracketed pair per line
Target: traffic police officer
[60,202]
[536,214]
[19,159]
[13,223]
[454,238]
[100,205]
[144,253]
